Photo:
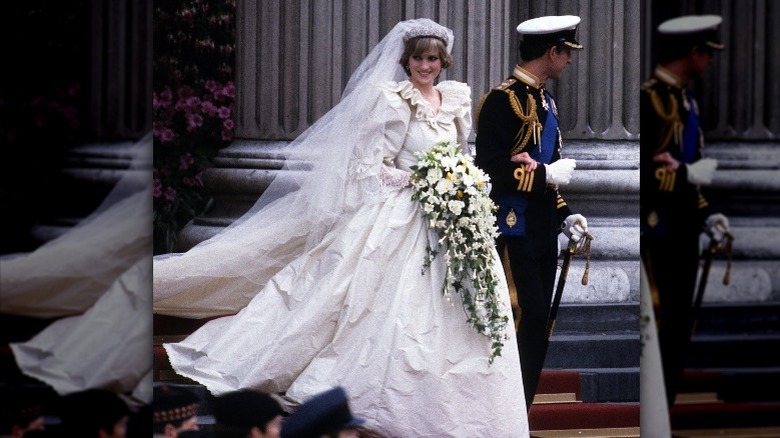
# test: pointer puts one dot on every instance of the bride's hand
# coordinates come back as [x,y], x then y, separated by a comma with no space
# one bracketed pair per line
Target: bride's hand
[529,164]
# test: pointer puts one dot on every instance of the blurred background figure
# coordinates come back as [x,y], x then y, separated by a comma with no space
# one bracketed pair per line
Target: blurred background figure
[325,415]
[174,412]
[710,130]
[674,212]
[94,413]
[247,414]
[20,412]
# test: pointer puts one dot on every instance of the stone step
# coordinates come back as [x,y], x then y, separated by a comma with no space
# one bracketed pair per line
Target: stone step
[724,415]
[601,385]
[611,432]
[751,384]
[746,317]
[733,350]
[730,432]
[579,416]
[593,351]
[584,318]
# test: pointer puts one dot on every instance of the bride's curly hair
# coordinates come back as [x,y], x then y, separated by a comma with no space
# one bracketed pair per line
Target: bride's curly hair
[423,44]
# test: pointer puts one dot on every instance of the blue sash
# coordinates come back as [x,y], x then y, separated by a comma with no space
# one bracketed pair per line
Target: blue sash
[690,134]
[549,135]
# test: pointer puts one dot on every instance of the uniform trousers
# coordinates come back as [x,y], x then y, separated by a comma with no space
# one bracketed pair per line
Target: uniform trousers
[672,264]
[533,274]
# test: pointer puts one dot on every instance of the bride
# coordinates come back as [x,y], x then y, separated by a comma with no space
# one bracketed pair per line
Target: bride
[325,271]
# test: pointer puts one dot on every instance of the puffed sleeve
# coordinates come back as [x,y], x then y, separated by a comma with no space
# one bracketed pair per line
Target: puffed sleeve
[382,134]
[458,102]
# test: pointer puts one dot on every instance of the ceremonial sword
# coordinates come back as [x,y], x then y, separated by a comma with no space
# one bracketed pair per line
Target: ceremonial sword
[571,249]
[708,255]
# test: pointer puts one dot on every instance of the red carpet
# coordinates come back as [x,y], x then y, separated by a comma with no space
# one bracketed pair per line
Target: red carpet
[583,416]
[559,382]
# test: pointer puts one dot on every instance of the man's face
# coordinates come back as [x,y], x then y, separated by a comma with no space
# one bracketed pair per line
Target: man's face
[273,429]
[119,431]
[560,57]
[701,60]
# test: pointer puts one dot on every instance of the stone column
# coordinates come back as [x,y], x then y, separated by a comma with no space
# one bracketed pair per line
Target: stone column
[121,69]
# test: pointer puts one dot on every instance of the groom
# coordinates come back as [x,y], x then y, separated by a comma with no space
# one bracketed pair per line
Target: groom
[519,145]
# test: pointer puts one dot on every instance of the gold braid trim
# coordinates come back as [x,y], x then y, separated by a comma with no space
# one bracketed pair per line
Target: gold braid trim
[479,109]
[674,126]
[531,125]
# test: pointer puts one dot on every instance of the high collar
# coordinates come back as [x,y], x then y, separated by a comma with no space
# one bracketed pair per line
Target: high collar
[526,77]
[668,77]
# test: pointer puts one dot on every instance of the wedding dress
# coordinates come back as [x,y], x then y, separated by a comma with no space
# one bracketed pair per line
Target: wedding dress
[342,298]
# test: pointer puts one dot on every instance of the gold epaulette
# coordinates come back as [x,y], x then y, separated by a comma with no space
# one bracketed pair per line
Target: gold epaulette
[648,84]
[506,84]
[673,126]
[479,109]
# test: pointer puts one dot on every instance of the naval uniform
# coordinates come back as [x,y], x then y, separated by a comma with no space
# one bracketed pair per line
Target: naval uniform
[514,117]
[672,212]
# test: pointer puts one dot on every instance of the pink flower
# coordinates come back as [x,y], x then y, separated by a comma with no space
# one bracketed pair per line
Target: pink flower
[185,161]
[170,194]
[227,135]
[211,86]
[167,135]
[224,112]
[194,121]
[229,90]
[208,107]
[157,187]
[228,124]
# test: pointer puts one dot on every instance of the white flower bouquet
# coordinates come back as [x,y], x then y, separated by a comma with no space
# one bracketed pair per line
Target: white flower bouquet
[453,195]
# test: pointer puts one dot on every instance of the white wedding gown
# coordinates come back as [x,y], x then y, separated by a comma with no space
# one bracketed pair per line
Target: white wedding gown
[356,310]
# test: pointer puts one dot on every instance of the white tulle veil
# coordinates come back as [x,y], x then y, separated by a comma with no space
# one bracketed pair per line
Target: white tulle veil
[330,171]
[68,274]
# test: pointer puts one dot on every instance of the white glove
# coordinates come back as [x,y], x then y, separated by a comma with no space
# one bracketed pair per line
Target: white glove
[560,172]
[574,227]
[716,226]
[700,172]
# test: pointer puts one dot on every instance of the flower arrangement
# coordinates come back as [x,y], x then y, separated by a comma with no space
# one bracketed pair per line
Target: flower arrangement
[452,193]
[193,105]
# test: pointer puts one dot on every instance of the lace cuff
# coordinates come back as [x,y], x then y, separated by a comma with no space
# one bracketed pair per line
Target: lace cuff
[393,178]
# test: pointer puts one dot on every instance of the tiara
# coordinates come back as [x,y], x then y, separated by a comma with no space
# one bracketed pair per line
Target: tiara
[427,30]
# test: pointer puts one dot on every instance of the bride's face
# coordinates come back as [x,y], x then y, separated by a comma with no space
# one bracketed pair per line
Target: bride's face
[425,67]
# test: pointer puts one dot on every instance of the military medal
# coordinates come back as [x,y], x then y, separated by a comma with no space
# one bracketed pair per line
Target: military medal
[652,219]
[511,218]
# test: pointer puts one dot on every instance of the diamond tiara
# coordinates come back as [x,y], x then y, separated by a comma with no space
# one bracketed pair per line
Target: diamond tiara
[427,31]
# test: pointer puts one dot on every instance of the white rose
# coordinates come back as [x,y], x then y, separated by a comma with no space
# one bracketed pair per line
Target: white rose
[456,207]
[444,186]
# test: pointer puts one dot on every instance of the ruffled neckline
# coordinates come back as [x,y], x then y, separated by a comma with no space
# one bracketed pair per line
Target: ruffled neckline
[454,98]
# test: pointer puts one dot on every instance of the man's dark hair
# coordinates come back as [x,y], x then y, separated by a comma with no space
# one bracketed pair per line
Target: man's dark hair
[534,46]
[673,47]
[84,413]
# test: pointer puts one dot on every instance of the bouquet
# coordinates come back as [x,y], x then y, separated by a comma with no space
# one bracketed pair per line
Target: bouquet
[453,195]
